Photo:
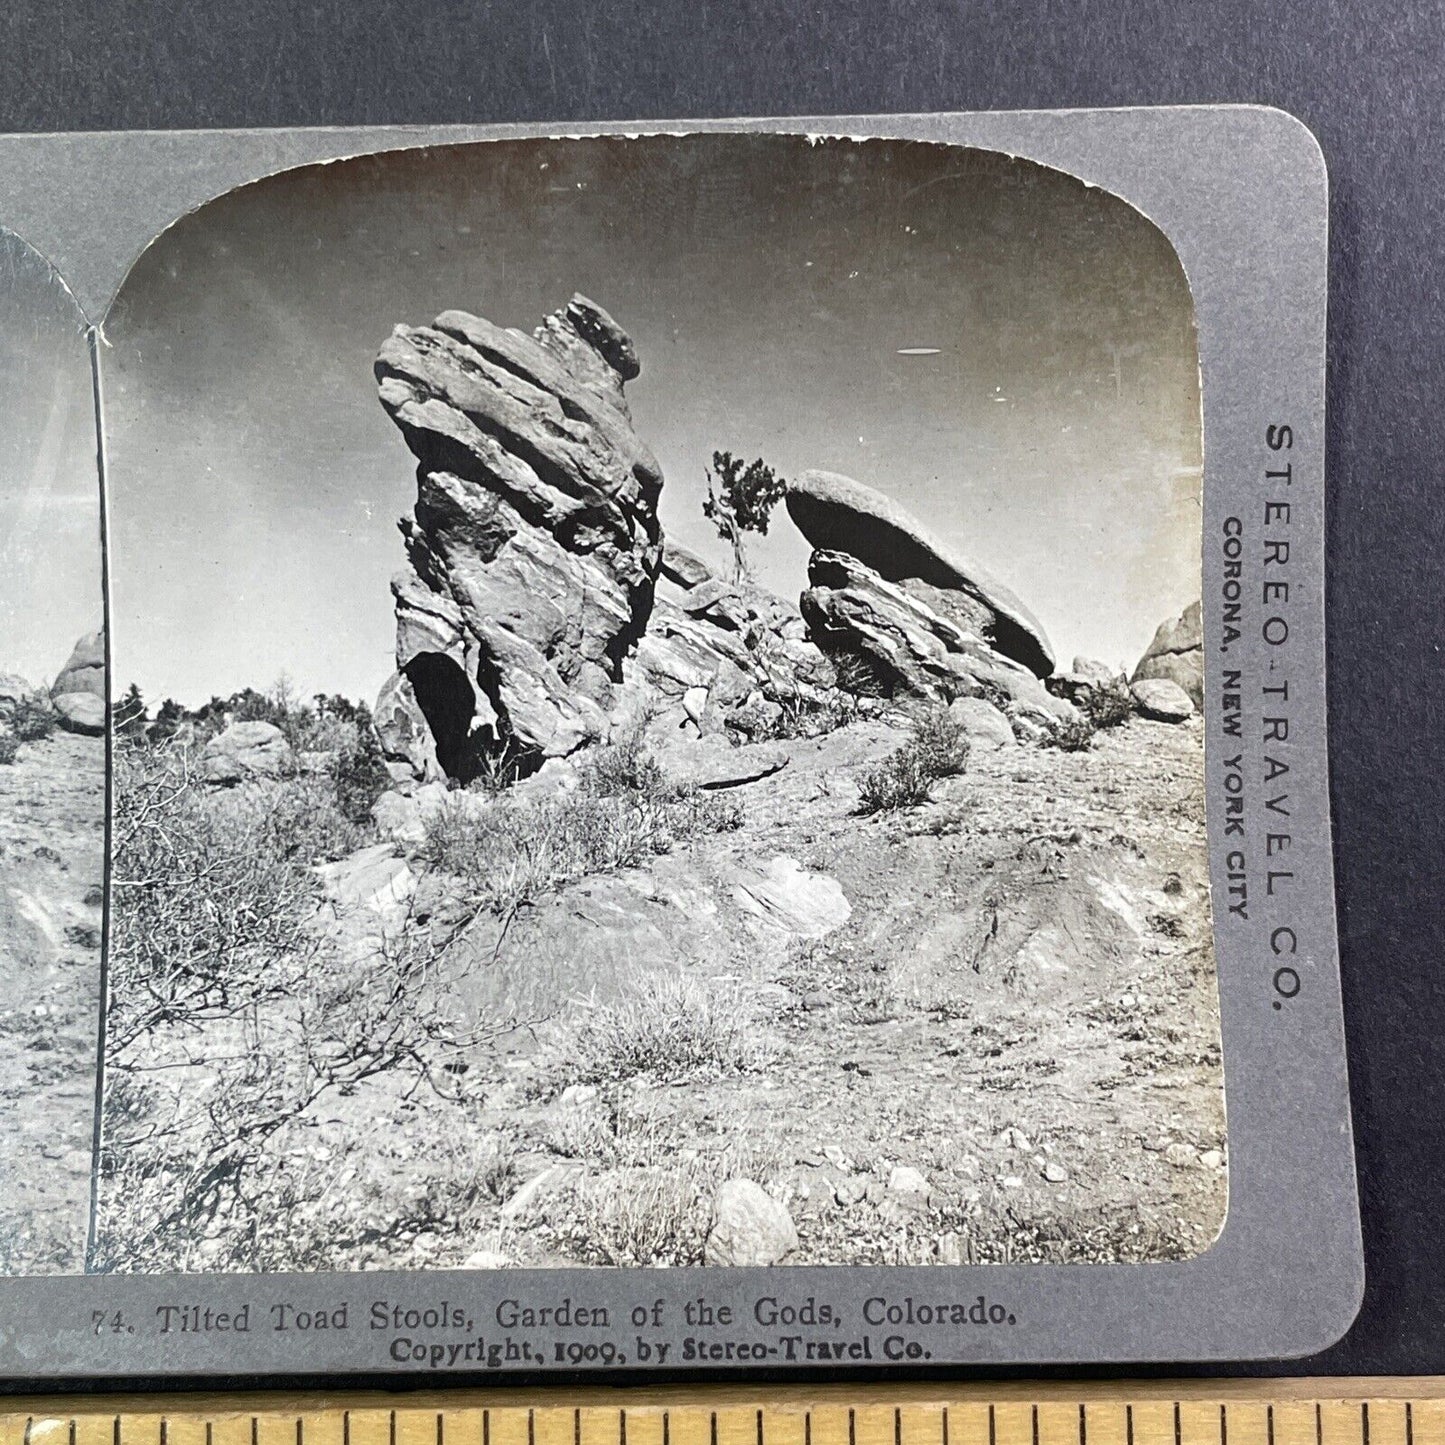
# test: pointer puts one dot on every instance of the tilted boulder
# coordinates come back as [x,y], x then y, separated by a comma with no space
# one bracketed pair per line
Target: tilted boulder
[837,514]
[903,647]
[1177,654]
[79,692]
[534,542]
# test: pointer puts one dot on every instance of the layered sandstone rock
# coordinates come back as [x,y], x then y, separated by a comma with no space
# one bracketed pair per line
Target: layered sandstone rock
[534,543]
[900,646]
[837,514]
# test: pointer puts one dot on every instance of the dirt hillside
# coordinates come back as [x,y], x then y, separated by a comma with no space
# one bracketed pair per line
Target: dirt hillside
[52,807]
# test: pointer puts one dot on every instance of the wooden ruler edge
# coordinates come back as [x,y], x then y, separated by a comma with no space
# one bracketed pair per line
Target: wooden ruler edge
[301,1402]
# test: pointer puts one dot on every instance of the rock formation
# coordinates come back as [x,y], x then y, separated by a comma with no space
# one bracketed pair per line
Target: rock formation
[534,543]
[903,616]
[837,514]
[247,752]
[79,692]
[531,623]
[528,623]
[1177,654]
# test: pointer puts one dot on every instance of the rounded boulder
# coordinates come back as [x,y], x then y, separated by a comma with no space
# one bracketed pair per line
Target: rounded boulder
[1162,700]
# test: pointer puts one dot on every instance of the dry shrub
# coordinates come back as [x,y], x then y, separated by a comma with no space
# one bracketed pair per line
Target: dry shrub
[1109,703]
[654,1205]
[938,749]
[233,1010]
[1071,735]
[506,852]
[32,721]
[639,1217]
[9,747]
[668,1029]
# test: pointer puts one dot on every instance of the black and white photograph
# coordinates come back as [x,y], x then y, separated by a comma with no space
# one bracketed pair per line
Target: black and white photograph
[52,769]
[656,721]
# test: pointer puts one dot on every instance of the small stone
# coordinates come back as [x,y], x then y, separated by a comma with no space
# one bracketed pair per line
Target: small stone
[575,1095]
[849,1192]
[485,1259]
[750,1227]
[1012,1181]
[1013,1138]
[904,1179]
[1054,1172]
[694,703]
[949,1248]
[1212,1159]
[1181,1156]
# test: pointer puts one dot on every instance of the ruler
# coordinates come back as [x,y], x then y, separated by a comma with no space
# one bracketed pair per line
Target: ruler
[1373,1411]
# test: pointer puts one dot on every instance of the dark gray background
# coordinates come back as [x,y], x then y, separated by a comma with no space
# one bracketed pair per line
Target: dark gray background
[1366,77]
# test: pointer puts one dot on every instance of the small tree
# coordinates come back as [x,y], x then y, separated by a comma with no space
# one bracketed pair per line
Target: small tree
[130,714]
[740,498]
[169,716]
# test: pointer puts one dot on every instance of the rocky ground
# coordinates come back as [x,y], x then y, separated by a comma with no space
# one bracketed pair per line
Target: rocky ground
[52,807]
[982,1029]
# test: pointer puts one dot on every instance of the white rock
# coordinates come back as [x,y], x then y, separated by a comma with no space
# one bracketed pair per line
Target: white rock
[694,703]
[1054,1172]
[783,894]
[904,1179]
[486,1259]
[949,1248]
[1212,1159]
[749,1227]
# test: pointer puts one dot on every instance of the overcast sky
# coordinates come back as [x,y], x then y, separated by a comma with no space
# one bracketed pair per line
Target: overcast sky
[771,286]
[50,583]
